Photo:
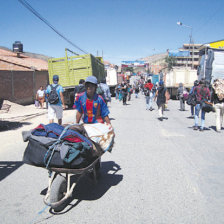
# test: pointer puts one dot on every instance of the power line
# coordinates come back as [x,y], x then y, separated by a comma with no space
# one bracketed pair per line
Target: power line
[31,9]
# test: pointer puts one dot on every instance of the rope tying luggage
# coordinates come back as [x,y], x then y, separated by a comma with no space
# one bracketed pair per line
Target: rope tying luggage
[47,162]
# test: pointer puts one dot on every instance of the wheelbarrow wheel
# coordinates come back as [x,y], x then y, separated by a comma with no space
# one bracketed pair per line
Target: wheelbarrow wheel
[58,190]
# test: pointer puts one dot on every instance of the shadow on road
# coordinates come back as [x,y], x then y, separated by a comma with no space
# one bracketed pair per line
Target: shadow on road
[214,128]
[8,167]
[86,190]
[11,125]
[190,117]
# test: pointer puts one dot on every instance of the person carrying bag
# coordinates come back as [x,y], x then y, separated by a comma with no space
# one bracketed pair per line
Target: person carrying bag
[202,95]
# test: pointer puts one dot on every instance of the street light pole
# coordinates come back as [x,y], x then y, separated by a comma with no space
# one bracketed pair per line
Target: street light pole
[191,41]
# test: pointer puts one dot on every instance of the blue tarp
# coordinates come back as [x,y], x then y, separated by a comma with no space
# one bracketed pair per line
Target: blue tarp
[133,62]
[155,79]
[179,53]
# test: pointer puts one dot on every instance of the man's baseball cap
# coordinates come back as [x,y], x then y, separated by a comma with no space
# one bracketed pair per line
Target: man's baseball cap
[55,78]
[92,79]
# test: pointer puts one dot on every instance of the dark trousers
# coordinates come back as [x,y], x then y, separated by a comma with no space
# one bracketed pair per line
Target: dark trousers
[182,103]
[124,98]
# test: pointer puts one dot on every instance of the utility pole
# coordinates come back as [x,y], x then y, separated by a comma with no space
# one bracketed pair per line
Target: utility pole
[191,42]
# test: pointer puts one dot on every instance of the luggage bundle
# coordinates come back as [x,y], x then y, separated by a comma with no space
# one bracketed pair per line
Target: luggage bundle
[192,100]
[218,86]
[185,95]
[56,146]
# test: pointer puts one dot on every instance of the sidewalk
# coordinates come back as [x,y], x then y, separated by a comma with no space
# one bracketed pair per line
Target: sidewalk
[20,113]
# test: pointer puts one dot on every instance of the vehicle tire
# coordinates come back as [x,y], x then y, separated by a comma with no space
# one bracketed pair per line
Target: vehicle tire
[58,190]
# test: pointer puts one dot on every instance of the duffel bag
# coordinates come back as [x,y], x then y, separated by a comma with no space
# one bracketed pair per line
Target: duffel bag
[207,107]
[191,100]
[36,154]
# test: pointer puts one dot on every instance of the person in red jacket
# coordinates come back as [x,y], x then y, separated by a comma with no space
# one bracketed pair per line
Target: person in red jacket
[148,95]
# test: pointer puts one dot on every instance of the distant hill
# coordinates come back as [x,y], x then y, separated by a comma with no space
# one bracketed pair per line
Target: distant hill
[39,56]
[154,58]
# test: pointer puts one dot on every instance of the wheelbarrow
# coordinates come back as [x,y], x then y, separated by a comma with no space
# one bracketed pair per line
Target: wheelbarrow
[60,187]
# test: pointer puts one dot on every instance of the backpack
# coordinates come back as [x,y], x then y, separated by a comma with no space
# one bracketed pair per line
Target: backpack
[99,90]
[53,97]
[185,95]
[191,100]
[147,92]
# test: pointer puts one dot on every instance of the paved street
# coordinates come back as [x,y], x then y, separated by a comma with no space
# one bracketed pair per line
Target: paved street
[158,172]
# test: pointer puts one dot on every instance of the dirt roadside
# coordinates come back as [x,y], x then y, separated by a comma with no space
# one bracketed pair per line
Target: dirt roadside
[17,115]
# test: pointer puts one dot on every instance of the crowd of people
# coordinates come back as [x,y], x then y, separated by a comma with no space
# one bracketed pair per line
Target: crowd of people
[157,92]
[207,97]
[91,98]
[203,97]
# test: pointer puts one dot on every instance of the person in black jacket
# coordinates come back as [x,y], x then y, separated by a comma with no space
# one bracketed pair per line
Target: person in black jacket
[218,100]
[124,88]
[160,99]
[78,90]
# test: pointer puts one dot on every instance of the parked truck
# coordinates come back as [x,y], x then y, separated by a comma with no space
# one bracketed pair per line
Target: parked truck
[71,69]
[111,80]
[186,76]
[211,61]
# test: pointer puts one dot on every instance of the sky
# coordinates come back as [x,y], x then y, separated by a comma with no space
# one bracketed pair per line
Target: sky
[117,29]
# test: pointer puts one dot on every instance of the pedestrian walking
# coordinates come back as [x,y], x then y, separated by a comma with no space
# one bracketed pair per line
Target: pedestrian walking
[40,96]
[106,91]
[190,93]
[218,99]
[117,90]
[124,90]
[130,91]
[120,95]
[202,93]
[148,94]
[181,91]
[56,102]
[160,98]
[136,91]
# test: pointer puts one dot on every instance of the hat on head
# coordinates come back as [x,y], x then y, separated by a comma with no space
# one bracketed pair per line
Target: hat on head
[92,79]
[55,78]
[196,83]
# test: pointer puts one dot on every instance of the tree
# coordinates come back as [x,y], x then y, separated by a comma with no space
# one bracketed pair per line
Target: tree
[171,61]
[126,69]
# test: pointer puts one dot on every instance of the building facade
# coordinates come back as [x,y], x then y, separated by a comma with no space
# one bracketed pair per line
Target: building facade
[187,56]
[21,76]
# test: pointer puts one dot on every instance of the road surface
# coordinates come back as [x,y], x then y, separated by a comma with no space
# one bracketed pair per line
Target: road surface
[158,172]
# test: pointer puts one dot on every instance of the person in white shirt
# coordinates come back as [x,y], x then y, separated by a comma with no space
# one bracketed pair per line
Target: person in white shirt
[40,96]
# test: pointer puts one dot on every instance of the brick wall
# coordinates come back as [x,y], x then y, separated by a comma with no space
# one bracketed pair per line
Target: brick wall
[21,86]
